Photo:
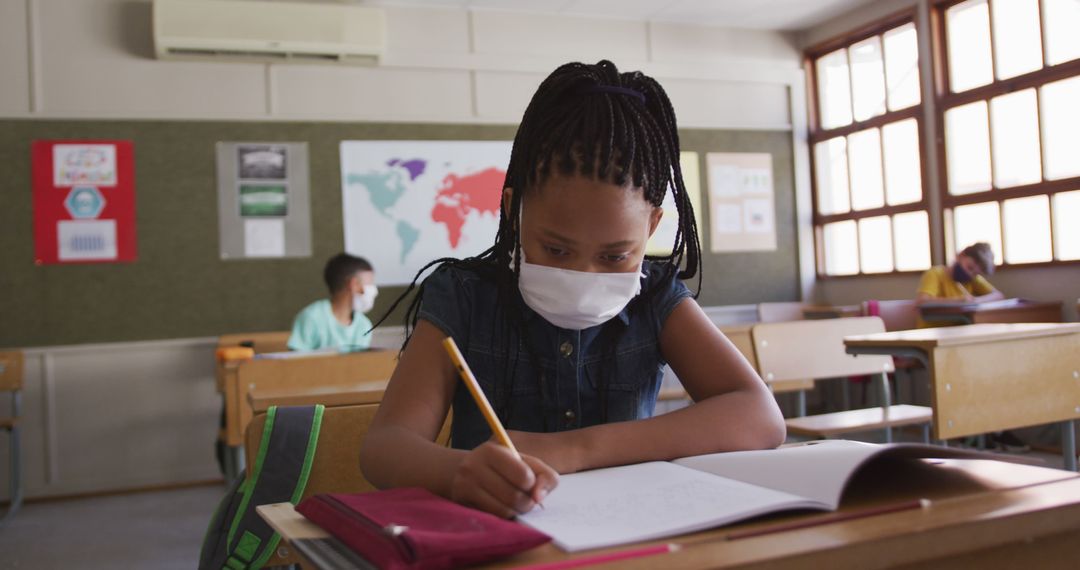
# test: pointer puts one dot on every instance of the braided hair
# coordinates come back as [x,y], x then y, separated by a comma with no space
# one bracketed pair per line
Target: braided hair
[595,122]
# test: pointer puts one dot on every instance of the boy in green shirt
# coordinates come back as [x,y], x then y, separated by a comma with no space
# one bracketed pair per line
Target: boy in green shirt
[339,321]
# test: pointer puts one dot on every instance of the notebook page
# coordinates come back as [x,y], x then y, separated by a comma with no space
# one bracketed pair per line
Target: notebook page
[619,505]
[816,470]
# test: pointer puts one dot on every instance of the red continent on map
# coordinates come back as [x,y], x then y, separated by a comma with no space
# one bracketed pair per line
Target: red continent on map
[459,195]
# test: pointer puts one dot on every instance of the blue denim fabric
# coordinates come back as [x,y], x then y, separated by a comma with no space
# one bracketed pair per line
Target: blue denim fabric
[558,385]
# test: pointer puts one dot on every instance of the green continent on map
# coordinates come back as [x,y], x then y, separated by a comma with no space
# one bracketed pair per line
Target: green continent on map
[384,188]
[408,236]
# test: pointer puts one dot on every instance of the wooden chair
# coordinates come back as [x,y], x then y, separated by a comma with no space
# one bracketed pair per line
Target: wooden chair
[11,380]
[335,468]
[793,350]
[897,314]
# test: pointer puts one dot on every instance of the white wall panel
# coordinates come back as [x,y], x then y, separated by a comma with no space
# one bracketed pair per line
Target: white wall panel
[569,38]
[117,415]
[97,61]
[722,104]
[411,30]
[504,96]
[14,59]
[375,94]
[682,42]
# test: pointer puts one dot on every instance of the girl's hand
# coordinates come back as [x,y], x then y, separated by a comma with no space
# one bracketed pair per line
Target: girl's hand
[491,479]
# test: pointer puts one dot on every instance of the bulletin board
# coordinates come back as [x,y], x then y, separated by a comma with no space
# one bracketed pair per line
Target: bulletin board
[180,287]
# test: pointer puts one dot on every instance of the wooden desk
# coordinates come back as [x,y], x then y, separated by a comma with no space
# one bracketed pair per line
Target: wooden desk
[237,379]
[259,399]
[994,312]
[993,377]
[982,514]
[811,312]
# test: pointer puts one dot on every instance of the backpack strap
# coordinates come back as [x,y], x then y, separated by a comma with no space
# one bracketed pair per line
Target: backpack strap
[281,470]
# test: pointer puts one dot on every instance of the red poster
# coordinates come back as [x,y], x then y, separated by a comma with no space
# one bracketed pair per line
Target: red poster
[84,201]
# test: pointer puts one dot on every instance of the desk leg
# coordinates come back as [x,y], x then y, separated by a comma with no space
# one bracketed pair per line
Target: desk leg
[1068,444]
[800,403]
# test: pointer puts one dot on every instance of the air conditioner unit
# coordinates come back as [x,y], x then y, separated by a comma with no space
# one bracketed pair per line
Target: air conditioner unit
[267,31]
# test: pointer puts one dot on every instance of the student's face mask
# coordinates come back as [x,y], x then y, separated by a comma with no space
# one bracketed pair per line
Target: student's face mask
[576,300]
[959,274]
[366,300]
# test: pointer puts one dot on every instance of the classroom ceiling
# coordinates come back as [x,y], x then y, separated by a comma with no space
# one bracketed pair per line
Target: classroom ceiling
[786,15]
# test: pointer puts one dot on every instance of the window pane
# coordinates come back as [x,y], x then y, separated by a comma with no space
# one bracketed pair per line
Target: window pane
[864,158]
[903,176]
[875,245]
[1027,230]
[841,248]
[1061,128]
[1066,230]
[868,78]
[834,89]
[968,28]
[831,171]
[1062,19]
[978,222]
[1014,123]
[902,67]
[967,148]
[911,232]
[1017,37]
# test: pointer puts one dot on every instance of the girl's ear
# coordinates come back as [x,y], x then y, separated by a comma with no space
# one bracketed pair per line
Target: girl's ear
[654,219]
[507,200]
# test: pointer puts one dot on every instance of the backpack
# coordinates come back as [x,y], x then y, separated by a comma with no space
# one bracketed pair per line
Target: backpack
[238,538]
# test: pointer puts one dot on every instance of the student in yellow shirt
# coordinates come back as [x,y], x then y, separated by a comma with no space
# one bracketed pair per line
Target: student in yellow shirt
[962,281]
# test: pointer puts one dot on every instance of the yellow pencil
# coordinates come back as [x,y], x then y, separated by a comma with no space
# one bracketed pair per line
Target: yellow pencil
[478,395]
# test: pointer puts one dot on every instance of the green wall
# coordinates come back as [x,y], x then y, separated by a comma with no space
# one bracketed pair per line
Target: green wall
[179,287]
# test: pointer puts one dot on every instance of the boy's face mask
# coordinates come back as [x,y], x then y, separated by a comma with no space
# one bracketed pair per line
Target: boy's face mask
[366,300]
[576,300]
[959,274]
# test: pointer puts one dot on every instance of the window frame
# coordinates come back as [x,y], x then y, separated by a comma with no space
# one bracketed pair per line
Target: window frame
[816,134]
[945,99]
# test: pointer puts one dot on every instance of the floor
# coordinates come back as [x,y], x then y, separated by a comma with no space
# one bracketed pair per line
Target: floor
[154,530]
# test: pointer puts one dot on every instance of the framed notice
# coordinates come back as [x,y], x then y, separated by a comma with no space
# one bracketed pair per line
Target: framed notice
[84,201]
[741,201]
[263,209]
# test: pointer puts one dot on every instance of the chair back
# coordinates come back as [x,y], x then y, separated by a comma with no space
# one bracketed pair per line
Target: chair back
[275,341]
[780,312]
[898,314]
[11,371]
[815,349]
[335,468]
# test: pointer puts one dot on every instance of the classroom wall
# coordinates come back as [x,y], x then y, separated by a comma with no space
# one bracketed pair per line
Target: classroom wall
[94,59]
[107,408]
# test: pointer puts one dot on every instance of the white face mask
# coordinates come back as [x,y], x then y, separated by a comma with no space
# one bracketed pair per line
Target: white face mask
[366,300]
[576,300]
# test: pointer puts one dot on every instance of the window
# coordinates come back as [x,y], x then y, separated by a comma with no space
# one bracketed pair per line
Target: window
[1007,100]
[1011,126]
[870,211]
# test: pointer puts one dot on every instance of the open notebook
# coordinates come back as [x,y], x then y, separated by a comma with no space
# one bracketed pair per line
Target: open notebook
[646,501]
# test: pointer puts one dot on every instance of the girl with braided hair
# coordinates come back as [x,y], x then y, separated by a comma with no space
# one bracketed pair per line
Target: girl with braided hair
[565,321]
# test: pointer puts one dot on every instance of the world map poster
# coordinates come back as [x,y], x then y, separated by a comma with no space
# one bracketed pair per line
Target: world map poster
[406,203]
